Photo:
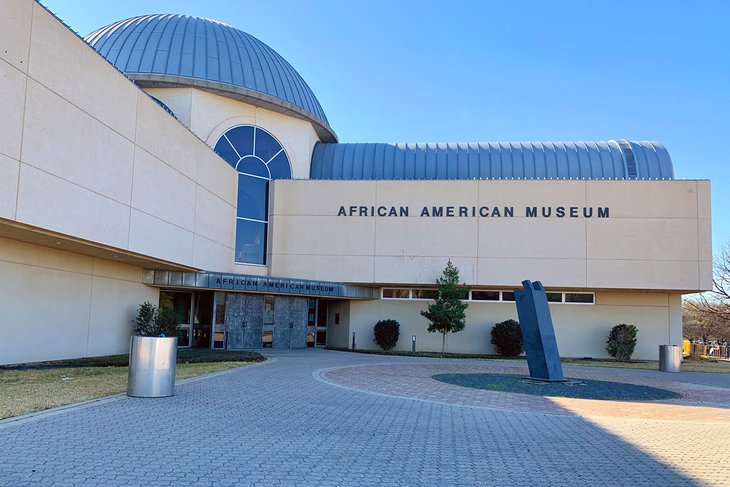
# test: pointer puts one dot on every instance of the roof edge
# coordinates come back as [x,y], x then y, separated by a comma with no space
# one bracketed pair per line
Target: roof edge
[155,80]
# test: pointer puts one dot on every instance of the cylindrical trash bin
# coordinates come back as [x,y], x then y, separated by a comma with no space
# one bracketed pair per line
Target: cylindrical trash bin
[670,358]
[152,366]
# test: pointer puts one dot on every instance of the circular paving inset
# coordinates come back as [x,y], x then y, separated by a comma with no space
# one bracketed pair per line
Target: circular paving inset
[698,403]
[575,388]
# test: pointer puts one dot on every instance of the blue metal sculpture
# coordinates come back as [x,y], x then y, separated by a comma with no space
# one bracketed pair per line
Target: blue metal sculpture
[538,334]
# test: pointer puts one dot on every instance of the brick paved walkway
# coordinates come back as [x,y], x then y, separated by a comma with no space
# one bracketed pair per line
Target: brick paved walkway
[277,424]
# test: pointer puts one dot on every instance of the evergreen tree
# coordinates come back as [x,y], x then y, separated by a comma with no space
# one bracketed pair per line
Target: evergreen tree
[447,314]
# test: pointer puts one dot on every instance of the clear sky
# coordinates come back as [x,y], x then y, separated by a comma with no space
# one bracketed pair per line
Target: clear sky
[484,71]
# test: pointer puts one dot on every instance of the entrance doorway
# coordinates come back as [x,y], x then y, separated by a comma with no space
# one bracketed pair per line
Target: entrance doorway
[181,302]
[256,320]
[202,316]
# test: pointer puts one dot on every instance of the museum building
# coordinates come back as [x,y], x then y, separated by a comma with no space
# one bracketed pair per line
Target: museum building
[179,160]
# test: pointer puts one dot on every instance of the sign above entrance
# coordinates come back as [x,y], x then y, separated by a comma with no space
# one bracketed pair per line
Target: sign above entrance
[247,283]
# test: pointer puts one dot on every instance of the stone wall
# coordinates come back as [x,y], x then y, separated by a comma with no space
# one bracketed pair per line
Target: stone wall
[245,317]
[290,322]
[244,320]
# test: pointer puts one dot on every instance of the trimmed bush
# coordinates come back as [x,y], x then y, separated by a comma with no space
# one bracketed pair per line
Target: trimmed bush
[507,338]
[153,322]
[621,342]
[386,333]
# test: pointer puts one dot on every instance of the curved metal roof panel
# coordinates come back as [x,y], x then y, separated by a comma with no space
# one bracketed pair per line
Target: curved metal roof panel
[179,50]
[614,159]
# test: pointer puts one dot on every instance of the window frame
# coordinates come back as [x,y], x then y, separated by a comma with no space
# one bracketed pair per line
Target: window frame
[235,165]
[501,292]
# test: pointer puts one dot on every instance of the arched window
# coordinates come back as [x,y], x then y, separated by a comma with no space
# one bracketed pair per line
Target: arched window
[259,158]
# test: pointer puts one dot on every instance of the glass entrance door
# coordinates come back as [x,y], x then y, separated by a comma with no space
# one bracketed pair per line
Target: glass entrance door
[219,320]
[202,319]
[267,340]
[321,331]
[181,302]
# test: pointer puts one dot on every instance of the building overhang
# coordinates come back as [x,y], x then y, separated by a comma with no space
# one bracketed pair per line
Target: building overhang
[221,281]
[47,238]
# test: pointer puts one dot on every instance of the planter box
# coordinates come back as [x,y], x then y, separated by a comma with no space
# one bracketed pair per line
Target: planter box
[152,364]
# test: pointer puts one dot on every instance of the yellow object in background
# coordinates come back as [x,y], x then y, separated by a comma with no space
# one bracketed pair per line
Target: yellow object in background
[685,348]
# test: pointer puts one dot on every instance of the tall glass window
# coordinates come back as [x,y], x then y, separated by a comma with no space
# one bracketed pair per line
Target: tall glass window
[259,158]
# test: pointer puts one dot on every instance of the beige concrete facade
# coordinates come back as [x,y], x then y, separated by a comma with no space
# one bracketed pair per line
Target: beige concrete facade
[655,236]
[85,153]
[59,304]
[581,329]
[209,116]
[98,183]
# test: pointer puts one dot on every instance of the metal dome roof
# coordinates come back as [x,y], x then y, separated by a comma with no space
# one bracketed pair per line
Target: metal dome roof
[615,159]
[181,50]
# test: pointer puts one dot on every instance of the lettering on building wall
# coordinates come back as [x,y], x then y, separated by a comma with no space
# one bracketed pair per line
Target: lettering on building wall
[477,211]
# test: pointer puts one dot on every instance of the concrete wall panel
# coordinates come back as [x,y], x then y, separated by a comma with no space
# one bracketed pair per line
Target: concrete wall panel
[158,189]
[303,236]
[217,176]
[643,238]
[532,238]
[47,201]
[213,218]
[552,272]
[114,305]
[338,333]
[644,274]
[61,304]
[179,100]
[152,236]
[456,237]
[637,199]
[657,247]
[64,141]
[406,269]
[15,33]
[209,254]
[9,170]
[160,134]
[67,75]
[581,330]
[12,87]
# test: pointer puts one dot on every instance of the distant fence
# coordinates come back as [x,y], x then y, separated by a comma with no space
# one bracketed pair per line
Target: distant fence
[720,352]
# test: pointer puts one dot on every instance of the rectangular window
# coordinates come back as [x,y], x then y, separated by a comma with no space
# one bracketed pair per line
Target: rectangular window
[554,297]
[583,298]
[250,242]
[508,296]
[424,293]
[396,293]
[485,295]
[252,197]
[268,310]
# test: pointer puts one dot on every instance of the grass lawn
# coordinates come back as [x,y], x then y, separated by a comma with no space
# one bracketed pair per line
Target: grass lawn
[25,389]
[689,365]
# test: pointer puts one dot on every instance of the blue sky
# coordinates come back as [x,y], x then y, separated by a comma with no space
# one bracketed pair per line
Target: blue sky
[481,71]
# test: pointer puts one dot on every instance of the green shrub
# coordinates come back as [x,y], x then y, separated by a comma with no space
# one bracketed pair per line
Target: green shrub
[507,338]
[386,333]
[621,342]
[153,322]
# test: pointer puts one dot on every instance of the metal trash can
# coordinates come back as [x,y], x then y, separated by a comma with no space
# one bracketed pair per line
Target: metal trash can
[670,358]
[152,365]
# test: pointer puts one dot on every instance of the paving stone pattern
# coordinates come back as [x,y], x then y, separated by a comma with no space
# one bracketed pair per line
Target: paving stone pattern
[278,424]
